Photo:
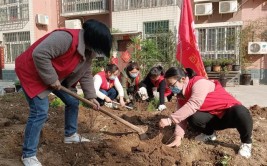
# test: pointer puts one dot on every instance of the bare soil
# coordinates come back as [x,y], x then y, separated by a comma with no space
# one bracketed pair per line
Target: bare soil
[112,143]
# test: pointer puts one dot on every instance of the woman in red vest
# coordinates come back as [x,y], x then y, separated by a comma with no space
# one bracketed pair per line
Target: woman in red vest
[108,86]
[154,84]
[130,78]
[207,107]
[62,57]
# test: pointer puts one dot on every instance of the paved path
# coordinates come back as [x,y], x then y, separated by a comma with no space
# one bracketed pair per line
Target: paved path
[250,95]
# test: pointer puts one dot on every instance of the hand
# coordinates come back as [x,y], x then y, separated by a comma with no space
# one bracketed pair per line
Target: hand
[122,102]
[177,142]
[162,107]
[56,85]
[96,104]
[142,92]
[128,100]
[165,122]
[107,99]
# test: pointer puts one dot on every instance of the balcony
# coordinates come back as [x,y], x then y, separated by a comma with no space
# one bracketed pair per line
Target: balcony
[84,7]
[14,14]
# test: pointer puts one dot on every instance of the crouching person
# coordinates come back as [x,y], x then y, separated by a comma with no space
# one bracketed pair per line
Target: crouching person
[61,57]
[130,81]
[207,107]
[108,86]
[154,85]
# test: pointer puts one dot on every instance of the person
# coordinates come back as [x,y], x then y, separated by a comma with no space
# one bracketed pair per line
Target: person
[207,107]
[154,85]
[108,86]
[130,78]
[62,57]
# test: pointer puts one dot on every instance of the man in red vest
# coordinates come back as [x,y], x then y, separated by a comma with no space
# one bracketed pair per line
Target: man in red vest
[207,107]
[108,86]
[62,57]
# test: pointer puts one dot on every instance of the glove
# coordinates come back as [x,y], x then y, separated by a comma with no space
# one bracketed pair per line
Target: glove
[165,122]
[162,107]
[143,93]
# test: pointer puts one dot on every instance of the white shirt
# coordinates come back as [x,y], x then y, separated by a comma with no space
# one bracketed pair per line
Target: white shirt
[98,82]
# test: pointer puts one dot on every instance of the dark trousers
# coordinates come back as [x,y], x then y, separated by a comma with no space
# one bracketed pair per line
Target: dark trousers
[112,93]
[235,117]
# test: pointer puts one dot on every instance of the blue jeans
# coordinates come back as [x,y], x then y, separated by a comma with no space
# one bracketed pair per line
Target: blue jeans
[38,116]
[111,93]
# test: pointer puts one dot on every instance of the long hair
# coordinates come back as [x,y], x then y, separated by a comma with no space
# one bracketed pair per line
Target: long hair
[97,36]
[179,73]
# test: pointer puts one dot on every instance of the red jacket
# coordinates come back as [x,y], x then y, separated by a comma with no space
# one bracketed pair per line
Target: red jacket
[64,65]
[157,82]
[105,82]
[216,102]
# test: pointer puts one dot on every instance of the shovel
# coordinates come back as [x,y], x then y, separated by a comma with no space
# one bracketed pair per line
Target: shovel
[140,131]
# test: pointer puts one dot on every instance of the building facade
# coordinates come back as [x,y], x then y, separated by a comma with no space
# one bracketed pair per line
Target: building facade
[22,22]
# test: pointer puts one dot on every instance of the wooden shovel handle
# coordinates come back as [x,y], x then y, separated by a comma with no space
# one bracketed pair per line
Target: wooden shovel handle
[128,124]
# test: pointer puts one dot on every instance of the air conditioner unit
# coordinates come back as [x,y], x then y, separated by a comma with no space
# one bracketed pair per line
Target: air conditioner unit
[202,9]
[227,7]
[73,24]
[257,47]
[42,19]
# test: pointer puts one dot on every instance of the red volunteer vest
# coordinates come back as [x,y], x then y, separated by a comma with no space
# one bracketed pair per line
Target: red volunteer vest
[157,82]
[106,84]
[64,65]
[216,102]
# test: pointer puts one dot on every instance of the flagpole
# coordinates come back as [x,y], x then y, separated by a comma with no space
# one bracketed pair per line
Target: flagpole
[181,48]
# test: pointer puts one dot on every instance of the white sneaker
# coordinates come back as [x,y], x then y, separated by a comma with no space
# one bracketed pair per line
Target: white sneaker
[111,105]
[31,161]
[204,137]
[75,138]
[245,150]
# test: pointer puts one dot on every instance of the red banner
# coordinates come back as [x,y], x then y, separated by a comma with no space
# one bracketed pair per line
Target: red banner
[187,49]
[2,60]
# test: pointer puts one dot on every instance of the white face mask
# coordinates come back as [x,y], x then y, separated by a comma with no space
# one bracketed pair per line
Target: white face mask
[134,75]
[112,77]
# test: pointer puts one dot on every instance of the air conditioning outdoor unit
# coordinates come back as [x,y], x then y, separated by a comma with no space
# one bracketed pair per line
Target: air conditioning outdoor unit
[203,9]
[257,47]
[227,7]
[42,19]
[73,24]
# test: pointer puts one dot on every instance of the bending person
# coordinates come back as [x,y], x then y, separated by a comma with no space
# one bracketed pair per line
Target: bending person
[207,107]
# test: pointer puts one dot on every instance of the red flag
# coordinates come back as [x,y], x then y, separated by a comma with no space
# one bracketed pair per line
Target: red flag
[187,49]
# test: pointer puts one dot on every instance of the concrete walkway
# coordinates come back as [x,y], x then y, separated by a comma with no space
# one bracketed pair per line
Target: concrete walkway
[250,95]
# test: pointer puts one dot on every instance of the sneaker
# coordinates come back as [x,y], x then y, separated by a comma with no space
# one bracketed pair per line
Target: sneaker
[203,137]
[111,105]
[245,150]
[75,138]
[31,161]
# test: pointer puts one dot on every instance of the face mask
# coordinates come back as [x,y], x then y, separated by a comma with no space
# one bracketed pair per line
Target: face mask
[134,75]
[112,77]
[175,90]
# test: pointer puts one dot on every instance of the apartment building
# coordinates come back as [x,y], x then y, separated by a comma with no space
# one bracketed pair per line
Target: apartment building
[22,22]
[218,21]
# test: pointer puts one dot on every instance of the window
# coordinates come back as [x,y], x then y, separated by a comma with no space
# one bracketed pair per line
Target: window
[70,6]
[15,44]
[120,5]
[12,11]
[156,27]
[218,42]
[158,31]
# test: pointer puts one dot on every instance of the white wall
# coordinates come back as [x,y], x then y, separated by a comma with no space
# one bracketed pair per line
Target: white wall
[132,20]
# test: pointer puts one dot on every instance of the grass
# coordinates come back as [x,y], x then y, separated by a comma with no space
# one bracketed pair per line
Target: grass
[152,105]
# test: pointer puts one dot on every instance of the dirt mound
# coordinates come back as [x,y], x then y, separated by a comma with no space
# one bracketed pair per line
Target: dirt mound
[114,144]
